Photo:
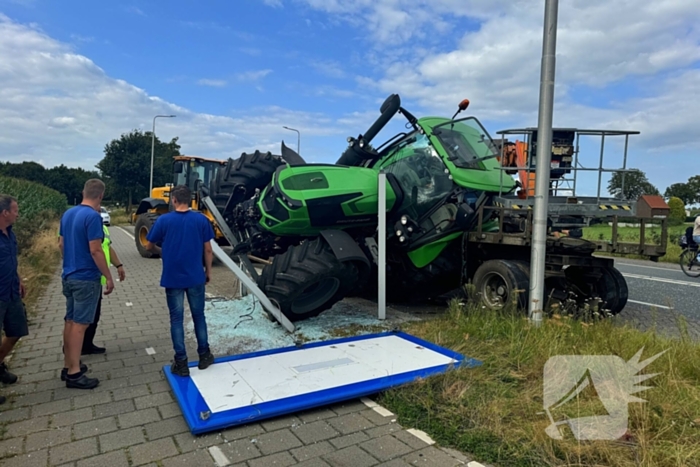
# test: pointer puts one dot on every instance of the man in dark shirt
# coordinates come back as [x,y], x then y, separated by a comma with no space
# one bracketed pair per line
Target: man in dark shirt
[13,317]
[185,237]
[84,264]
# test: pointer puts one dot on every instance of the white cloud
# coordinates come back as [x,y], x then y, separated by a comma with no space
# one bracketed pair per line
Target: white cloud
[57,106]
[490,52]
[212,82]
[252,76]
[329,68]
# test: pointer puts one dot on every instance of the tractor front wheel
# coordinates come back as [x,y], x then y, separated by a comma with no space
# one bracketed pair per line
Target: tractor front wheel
[144,224]
[307,279]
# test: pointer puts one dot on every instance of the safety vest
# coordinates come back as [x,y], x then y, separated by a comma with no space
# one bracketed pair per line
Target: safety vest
[105,247]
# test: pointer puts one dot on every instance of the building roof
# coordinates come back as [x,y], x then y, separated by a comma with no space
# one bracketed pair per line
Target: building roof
[655,202]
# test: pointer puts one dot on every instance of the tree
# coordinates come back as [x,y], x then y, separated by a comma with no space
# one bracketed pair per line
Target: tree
[636,184]
[127,164]
[677,214]
[32,171]
[684,191]
[69,181]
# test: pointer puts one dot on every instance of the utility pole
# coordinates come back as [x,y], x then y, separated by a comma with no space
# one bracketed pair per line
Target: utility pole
[153,146]
[544,162]
[298,137]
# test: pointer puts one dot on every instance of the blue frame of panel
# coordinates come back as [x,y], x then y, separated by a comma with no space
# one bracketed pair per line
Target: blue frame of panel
[200,420]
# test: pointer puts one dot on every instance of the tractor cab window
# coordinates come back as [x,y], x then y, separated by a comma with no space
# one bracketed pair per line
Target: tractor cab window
[466,142]
[421,174]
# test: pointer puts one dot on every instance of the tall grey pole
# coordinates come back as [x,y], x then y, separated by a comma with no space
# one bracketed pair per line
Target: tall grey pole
[298,137]
[544,162]
[153,146]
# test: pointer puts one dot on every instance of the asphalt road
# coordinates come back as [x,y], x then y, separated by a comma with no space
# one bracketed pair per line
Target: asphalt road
[661,285]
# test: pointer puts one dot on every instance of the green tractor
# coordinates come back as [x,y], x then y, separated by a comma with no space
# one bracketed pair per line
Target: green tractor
[316,224]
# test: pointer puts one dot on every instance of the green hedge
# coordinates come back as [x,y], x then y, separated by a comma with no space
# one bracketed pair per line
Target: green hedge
[38,207]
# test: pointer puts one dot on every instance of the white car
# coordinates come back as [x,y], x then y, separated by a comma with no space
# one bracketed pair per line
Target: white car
[106,220]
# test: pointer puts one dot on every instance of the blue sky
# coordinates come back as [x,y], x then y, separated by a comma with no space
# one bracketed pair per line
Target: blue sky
[76,74]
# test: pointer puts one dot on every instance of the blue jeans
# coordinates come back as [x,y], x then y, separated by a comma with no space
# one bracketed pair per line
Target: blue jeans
[176,305]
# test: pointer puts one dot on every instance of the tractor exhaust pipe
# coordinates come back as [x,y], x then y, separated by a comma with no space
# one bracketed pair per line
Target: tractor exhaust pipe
[356,153]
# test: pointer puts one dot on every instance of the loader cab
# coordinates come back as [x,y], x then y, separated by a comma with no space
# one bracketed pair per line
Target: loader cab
[194,171]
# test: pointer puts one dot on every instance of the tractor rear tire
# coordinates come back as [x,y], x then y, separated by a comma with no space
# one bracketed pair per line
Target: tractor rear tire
[307,279]
[144,224]
[606,284]
[242,177]
[500,282]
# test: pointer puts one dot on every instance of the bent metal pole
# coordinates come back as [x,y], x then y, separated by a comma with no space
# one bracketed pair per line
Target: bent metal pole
[544,162]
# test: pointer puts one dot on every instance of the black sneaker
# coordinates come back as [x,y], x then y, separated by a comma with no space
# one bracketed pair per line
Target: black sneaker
[205,360]
[81,382]
[64,372]
[93,350]
[5,376]
[180,368]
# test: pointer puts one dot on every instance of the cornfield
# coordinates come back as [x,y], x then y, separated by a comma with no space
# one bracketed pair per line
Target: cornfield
[39,206]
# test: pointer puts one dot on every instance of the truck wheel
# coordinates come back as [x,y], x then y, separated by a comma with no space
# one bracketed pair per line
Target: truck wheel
[307,279]
[499,282]
[241,177]
[144,224]
[606,284]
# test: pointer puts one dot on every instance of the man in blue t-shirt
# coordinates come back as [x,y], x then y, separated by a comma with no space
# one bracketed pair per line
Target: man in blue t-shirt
[84,264]
[13,316]
[185,236]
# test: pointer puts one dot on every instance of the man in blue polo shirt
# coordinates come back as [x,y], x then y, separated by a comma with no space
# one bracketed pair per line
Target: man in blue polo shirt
[84,264]
[13,317]
[185,237]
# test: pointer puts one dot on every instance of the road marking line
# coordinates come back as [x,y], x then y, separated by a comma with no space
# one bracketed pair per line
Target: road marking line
[650,304]
[126,232]
[649,267]
[421,435]
[659,279]
[219,457]
[150,351]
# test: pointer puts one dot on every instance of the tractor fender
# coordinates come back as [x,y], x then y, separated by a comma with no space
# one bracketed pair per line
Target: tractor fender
[150,203]
[344,247]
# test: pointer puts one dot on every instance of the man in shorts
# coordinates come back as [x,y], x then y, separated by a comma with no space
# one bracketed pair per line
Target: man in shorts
[13,317]
[185,236]
[89,346]
[84,263]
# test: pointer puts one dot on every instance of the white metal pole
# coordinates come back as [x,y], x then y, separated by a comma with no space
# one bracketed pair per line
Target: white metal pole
[381,257]
[153,145]
[544,162]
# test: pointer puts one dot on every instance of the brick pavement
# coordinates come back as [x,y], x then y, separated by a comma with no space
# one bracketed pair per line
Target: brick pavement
[132,419]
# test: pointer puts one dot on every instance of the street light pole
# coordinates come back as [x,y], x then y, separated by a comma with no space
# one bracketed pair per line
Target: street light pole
[153,146]
[544,162]
[298,137]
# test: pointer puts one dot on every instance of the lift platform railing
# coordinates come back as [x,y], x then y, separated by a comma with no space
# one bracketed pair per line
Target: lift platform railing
[564,183]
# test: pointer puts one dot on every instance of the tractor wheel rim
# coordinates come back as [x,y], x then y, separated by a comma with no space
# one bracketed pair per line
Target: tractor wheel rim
[315,295]
[495,290]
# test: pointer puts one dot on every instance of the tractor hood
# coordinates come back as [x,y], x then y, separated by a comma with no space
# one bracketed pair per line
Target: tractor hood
[468,152]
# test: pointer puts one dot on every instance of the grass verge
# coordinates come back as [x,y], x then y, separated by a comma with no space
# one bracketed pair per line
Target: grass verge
[495,411]
[38,263]
[118,216]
